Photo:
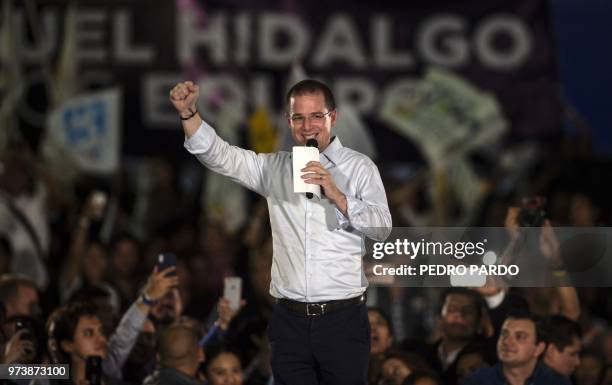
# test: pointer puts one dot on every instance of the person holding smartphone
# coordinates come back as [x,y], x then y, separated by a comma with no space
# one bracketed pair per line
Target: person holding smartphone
[80,336]
[76,334]
[319,330]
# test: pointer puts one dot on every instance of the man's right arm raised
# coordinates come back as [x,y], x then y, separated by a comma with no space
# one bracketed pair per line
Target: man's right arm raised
[243,166]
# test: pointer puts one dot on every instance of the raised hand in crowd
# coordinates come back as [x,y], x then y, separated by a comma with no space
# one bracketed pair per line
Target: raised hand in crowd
[549,248]
[549,245]
[92,210]
[159,283]
[133,322]
[178,303]
[511,222]
[226,313]
[547,240]
[94,206]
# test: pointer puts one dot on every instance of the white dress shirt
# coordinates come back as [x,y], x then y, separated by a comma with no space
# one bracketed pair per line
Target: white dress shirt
[317,251]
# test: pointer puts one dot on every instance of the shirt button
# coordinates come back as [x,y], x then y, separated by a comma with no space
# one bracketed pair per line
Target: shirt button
[309,214]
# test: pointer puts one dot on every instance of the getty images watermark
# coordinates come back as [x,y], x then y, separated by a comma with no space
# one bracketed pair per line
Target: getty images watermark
[479,255]
[457,250]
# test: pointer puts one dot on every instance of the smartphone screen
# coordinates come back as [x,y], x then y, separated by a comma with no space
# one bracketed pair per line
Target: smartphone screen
[99,200]
[232,291]
[93,370]
[166,260]
[27,325]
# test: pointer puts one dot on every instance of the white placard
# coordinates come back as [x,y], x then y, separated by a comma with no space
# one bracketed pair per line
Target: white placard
[301,156]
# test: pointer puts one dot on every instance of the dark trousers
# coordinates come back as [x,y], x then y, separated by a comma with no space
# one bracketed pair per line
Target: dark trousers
[325,349]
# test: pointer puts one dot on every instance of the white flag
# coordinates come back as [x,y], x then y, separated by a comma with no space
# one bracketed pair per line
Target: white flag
[445,115]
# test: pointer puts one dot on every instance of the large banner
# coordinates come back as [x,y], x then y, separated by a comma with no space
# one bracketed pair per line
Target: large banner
[242,52]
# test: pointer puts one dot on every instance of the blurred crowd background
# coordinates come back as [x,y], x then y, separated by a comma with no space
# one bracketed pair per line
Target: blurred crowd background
[467,107]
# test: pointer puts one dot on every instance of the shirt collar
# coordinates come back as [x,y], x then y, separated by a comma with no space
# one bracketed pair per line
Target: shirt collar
[332,152]
[178,375]
[529,381]
[500,373]
[447,359]
[536,373]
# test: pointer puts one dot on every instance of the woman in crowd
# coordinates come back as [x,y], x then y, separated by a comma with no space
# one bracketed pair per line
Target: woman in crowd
[222,367]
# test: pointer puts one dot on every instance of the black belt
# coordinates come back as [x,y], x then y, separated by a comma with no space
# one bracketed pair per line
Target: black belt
[319,308]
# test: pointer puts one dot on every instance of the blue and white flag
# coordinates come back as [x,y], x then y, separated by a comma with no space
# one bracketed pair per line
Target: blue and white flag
[85,130]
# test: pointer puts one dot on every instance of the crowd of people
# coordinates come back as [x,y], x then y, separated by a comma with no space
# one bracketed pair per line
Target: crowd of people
[80,279]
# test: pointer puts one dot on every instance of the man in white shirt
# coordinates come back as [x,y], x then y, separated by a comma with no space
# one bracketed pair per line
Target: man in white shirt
[319,331]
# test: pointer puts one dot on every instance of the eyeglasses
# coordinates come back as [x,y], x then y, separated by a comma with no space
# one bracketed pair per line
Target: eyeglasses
[315,117]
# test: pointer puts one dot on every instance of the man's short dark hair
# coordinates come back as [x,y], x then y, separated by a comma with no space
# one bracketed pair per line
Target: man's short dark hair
[476,298]
[311,86]
[384,316]
[89,293]
[560,331]
[10,284]
[129,237]
[177,345]
[215,350]
[525,315]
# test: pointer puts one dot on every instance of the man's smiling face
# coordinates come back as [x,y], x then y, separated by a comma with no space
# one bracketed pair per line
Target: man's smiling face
[309,118]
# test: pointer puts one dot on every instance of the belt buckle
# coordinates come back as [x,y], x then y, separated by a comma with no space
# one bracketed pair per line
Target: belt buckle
[319,306]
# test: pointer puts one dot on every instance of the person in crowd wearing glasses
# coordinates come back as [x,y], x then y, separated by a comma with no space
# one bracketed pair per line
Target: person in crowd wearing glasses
[319,329]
